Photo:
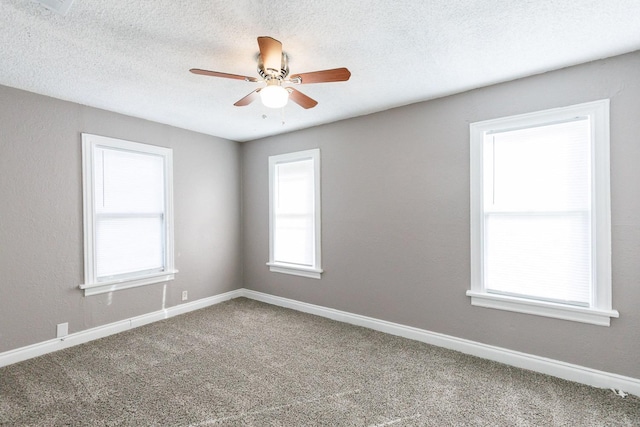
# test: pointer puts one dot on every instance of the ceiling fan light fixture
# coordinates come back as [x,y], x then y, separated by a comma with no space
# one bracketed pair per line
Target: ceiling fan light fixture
[274,96]
[273,67]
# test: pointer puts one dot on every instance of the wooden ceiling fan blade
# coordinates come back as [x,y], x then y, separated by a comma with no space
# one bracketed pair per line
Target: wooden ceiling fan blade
[301,99]
[248,99]
[324,76]
[271,53]
[225,75]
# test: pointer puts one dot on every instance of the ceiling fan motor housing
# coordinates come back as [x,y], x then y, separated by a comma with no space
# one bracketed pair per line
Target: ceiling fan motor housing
[270,73]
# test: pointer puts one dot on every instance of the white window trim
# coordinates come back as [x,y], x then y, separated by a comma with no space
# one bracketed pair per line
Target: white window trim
[279,267]
[600,311]
[91,285]
[287,268]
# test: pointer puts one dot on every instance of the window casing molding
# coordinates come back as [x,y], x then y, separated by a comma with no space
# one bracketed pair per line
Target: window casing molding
[313,268]
[599,310]
[94,285]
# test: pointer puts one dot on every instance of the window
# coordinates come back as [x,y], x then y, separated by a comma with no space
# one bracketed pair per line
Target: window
[294,213]
[128,223]
[540,214]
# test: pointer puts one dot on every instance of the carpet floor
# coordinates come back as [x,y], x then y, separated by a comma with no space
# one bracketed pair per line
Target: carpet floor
[246,363]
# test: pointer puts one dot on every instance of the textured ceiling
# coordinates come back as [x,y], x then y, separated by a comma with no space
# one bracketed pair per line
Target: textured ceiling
[133,57]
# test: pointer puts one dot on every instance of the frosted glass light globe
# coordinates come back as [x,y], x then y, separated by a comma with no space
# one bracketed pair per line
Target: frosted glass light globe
[274,96]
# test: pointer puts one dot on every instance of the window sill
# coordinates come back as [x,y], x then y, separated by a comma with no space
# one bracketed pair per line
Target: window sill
[542,308]
[116,285]
[296,270]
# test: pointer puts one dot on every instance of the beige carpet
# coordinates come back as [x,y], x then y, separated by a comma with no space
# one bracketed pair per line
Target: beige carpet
[245,363]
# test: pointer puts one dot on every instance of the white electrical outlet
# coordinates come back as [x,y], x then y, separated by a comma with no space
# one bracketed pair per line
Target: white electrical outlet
[62,330]
[185,295]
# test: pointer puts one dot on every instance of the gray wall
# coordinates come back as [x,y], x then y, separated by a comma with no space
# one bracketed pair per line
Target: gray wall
[395,193]
[41,243]
[395,216]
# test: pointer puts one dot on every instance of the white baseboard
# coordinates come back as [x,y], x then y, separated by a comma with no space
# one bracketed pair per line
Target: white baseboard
[38,349]
[556,368]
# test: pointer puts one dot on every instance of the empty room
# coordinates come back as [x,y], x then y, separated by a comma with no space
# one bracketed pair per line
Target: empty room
[339,213]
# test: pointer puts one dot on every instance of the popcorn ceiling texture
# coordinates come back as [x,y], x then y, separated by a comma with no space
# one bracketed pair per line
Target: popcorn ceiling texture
[133,57]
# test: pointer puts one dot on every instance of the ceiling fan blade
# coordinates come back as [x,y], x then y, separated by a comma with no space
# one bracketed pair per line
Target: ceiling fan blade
[324,76]
[248,99]
[225,75]
[271,53]
[301,99]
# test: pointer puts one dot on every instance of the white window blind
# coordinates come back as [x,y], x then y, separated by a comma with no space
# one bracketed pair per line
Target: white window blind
[537,201]
[128,223]
[129,208]
[294,217]
[294,213]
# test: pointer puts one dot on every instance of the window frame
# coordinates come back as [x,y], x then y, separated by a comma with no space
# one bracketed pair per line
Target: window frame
[315,270]
[91,285]
[600,309]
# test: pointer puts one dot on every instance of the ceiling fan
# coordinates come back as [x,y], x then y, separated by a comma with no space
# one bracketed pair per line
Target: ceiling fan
[273,67]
